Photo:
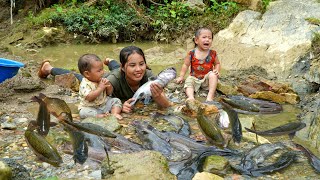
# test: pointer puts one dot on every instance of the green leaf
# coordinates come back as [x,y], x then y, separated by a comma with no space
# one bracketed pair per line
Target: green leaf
[59,9]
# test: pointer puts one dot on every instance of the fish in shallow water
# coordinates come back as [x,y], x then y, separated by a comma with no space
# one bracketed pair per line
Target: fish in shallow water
[210,128]
[240,104]
[247,105]
[79,145]
[163,78]
[313,160]
[43,118]
[41,147]
[87,127]
[150,140]
[283,161]
[181,125]
[289,128]
[56,106]
[258,154]
[235,123]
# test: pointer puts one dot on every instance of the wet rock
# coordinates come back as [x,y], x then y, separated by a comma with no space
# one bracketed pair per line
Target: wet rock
[246,122]
[192,107]
[68,80]
[311,116]
[215,164]
[19,172]
[110,122]
[5,171]
[27,84]
[8,125]
[251,137]
[254,84]
[303,87]
[140,165]
[206,176]
[279,98]
[227,89]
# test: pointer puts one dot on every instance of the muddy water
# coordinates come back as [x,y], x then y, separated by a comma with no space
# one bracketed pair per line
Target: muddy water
[66,56]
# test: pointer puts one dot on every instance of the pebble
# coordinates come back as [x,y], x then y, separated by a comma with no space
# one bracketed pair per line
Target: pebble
[9,126]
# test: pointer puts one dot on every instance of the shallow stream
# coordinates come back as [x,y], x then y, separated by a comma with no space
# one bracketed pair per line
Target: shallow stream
[66,56]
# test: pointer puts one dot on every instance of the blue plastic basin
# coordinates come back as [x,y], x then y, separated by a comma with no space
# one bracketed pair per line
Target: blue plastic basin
[8,68]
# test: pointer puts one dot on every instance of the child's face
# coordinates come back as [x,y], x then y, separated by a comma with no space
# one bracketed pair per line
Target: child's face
[204,40]
[96,72]
[135,68]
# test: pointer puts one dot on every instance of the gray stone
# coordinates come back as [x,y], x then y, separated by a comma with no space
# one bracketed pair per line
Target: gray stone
[110,122]
[140,165]
[274,40]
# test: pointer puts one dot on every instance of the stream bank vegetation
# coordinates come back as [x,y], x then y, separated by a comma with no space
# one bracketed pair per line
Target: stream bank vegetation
[127,20]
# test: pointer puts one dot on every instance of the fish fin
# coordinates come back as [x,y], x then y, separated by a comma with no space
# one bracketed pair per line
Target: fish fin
[291,135]
[147,100]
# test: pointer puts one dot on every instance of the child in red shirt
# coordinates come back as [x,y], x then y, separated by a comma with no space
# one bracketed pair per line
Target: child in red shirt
[204,66]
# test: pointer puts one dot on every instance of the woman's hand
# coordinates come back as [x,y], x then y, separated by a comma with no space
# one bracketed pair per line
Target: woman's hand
[126,107]
[158,95]
[156,90]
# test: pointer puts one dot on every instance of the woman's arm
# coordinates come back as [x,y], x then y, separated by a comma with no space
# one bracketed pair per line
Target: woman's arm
[158,96]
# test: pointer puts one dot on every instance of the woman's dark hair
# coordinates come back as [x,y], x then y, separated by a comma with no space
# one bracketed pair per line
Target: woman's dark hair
[127,51]
[197,34]
[85,61]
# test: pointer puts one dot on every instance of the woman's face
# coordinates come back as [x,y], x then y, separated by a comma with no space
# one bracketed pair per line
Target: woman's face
[135,68]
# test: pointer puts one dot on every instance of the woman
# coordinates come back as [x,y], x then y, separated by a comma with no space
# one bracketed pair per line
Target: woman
[125,80]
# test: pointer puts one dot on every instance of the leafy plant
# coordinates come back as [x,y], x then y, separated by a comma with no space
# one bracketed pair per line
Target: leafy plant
[265,4]
[111,19]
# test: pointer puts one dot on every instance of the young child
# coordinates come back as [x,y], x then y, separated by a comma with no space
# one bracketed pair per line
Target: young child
[204,66]
[94,90]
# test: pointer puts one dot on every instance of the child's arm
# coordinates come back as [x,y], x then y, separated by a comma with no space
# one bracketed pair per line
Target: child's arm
[109,87]
[184,69]
[216,67]
[101,87]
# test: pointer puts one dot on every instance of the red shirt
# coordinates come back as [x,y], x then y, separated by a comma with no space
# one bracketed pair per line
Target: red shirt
[199,68]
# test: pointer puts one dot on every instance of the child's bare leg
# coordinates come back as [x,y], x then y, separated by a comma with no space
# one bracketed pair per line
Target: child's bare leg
[116,111]
[213,82]
[190,93]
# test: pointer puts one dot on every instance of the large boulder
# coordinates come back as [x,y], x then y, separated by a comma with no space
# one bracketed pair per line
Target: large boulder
[274,40]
